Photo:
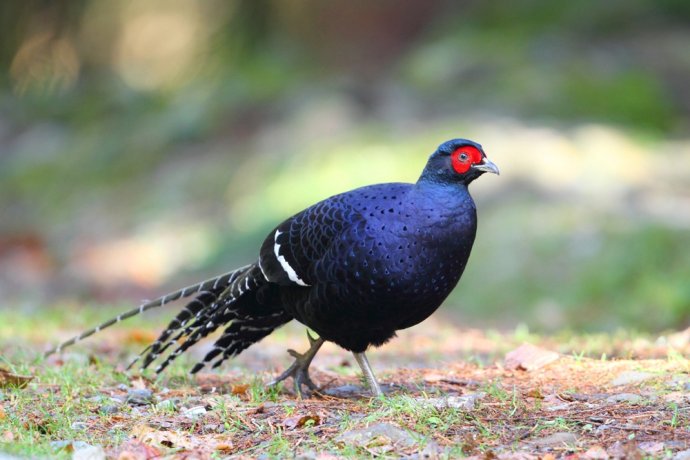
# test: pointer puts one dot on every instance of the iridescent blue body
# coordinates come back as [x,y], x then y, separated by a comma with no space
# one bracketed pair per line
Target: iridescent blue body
[355,268]
[379,259]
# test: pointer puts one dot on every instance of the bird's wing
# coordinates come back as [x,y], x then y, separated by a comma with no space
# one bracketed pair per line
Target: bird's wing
[290,251]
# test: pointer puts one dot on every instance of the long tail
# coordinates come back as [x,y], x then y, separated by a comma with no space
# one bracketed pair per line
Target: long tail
[248,322]
[205,290]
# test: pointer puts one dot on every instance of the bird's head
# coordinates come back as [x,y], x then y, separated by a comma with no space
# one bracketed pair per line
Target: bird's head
[457,161]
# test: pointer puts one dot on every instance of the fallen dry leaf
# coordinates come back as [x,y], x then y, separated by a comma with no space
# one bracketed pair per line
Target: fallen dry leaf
[434,378]
[153,437]
[137,450]
[3,415]
[529,357]
[140,337]
[139,384]
[596,452]
[300,421]
[8,436]
[8,379]
[535,393]
[225,447]
[239,390]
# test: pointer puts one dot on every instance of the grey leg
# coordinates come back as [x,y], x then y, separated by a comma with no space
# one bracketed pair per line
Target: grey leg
[368,373]
[299,370]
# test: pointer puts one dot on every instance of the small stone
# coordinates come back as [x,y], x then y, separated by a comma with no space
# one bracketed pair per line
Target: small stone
[624,450]
[596,452]
[109,410]
[631,377]
[345,391]
[89,453]
[559,407]
[79,426]
[603,428]
[555,440]
[529,357]
[380,434]
[195,412]
[682,455]
[167,405]
[74,445]
[630,398]
[431,451]
[467,402]
[122,387]
[652,447]
[139,397]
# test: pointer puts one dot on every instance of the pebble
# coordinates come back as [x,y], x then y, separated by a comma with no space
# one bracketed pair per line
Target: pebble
[603,428]
[139,397]
[555,440]
[380,433]
[345,391]
[632,377]
[682,455]
[76,445]
[105,399]
[89,453]
[467,402]
[79,426]
[167,405]
[595,452]
[431,451]
[109,410]
[195,412]
[631,398]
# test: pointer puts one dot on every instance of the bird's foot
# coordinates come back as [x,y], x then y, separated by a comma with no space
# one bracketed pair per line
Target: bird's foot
[299,370]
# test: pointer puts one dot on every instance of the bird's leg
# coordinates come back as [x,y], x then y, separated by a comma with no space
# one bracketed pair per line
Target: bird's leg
[299,370]
[368,374]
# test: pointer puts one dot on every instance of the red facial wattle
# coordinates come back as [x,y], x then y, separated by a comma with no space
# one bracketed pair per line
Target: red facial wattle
[464,157]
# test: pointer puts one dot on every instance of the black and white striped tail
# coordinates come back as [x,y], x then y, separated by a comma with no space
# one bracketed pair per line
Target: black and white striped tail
[218,283]
[198,311]
[248,323]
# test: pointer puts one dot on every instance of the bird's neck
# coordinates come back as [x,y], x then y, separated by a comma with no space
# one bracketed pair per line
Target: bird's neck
[451,196]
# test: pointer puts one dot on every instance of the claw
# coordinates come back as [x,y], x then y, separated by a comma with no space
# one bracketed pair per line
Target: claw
[299,370]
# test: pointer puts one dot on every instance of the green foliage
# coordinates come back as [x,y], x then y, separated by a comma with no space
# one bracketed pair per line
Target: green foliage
[620,277]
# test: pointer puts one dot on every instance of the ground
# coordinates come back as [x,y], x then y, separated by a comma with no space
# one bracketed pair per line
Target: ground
[451,392]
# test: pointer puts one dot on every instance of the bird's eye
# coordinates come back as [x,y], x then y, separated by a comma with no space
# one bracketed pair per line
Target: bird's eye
[463,157]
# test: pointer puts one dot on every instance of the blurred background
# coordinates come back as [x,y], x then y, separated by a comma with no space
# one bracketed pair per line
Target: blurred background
[146,145]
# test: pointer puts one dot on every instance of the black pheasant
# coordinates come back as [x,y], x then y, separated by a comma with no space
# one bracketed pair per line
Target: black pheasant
[354,268]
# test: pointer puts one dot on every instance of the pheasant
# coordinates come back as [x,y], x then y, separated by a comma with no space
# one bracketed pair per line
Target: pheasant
[354,268]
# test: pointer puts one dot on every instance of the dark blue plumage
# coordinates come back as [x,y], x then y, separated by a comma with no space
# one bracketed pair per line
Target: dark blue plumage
[354,268]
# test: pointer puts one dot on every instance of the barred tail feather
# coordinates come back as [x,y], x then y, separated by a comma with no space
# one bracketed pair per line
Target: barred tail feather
[218,282]
[240,335]
[232,306]
[201,312]
[203,300]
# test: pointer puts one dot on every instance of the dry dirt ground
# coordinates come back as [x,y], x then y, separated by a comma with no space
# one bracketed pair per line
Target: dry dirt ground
[451,393]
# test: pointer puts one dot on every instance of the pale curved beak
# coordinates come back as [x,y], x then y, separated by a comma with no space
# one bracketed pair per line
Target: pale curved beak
[487,166]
